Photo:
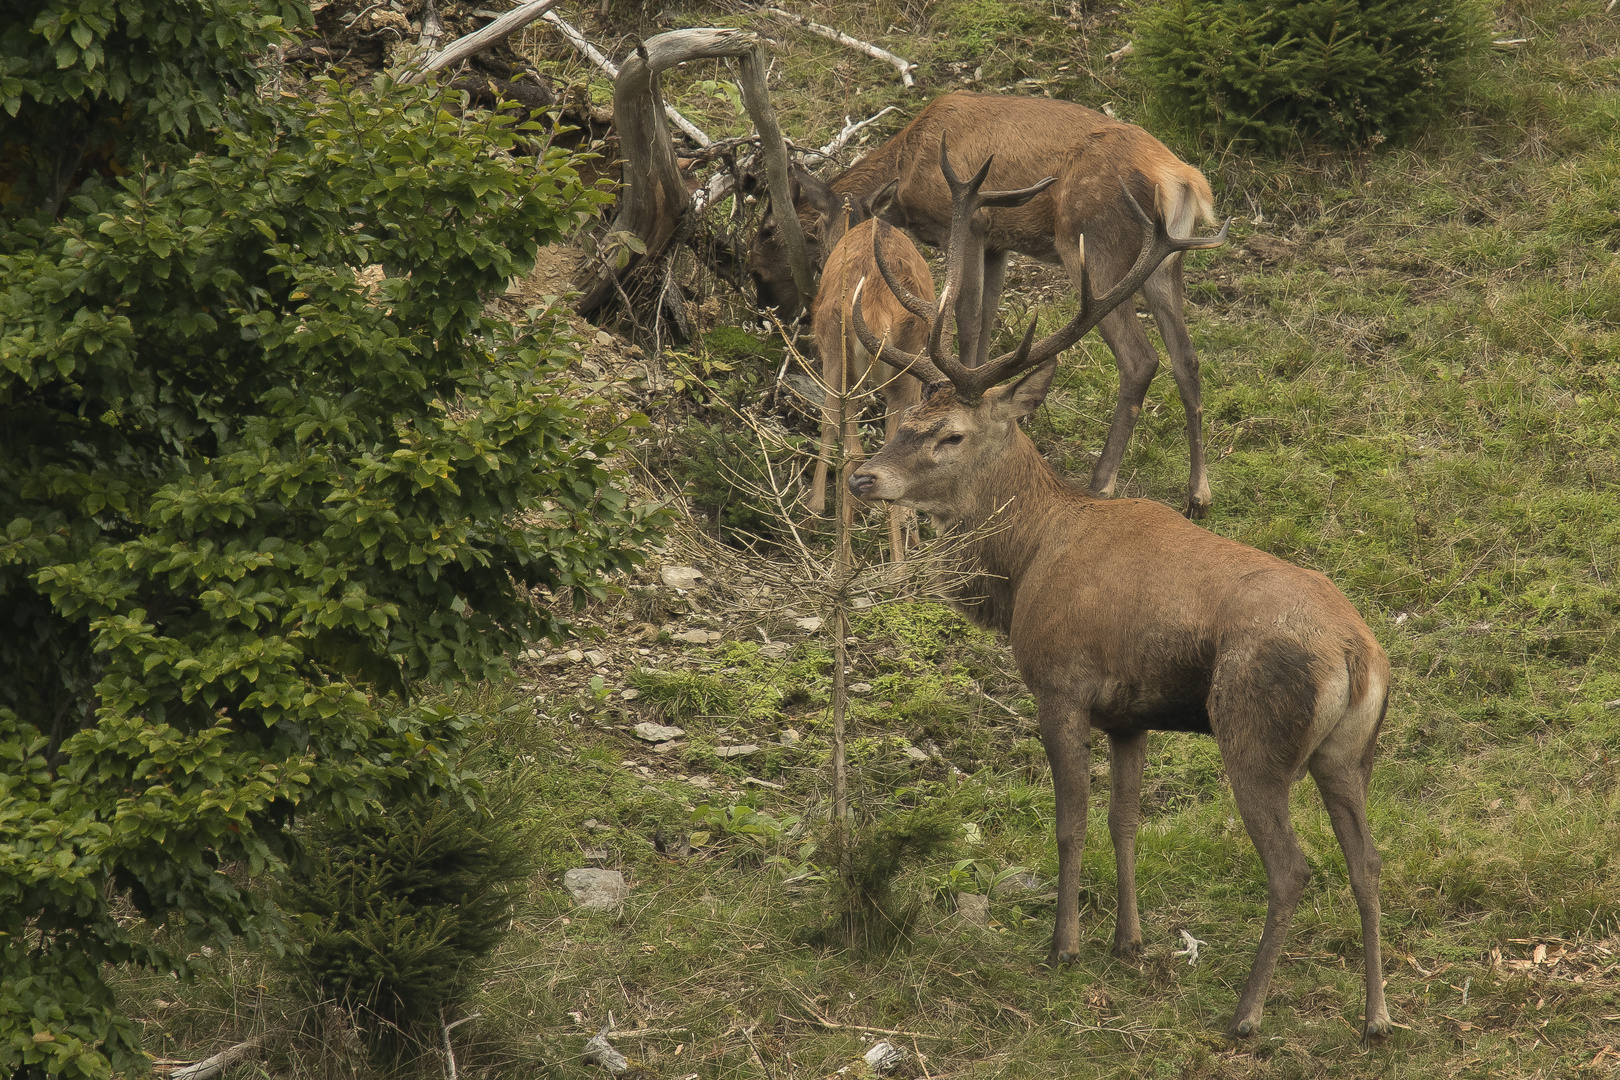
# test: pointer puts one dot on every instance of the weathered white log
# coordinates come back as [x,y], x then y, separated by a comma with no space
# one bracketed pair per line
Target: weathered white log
[774,151]
[432,28]
[905,67]
[211,1067]
[654,199]
[597,57]
[463,47]
[841,140]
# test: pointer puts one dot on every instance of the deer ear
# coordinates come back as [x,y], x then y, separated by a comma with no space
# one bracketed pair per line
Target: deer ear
[1025,396]
[819,194]
[877,203]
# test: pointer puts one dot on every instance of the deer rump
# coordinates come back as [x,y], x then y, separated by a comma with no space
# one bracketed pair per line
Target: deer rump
[1082,221]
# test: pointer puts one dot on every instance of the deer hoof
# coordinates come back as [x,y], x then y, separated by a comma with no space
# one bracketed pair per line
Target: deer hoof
[1129,951]
[1197,509]
[1377,1030]
[1061,958]
[1242,1029]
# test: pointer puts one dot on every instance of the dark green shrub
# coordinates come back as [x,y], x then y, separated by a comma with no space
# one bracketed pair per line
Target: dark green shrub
[396,911]
[863,870]
[1348,73]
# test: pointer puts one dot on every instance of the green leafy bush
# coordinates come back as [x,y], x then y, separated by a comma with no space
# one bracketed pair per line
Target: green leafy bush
[1349,73]
[246,494]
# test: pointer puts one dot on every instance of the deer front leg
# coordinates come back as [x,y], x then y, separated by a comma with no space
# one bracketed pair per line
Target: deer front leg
[1066,734]
[1165,296]
[1137,363]
[1127,755]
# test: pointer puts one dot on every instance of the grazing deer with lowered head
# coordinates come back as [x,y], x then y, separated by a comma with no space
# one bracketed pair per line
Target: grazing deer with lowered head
[1124,617]
[847,230]
[1097,162]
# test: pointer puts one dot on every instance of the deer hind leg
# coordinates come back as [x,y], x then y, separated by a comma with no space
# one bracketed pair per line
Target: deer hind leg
[1343,778]
[1261,792]
[1127,755]
[1066,734]
[1166,295]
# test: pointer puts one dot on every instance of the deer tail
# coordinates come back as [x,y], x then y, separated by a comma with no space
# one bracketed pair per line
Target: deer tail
[1184,199]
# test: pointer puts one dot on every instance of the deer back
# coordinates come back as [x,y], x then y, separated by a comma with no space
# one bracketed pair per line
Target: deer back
[852,260]
[1029,138]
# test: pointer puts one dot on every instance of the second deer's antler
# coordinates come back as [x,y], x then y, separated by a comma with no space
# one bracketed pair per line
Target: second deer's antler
[966,201]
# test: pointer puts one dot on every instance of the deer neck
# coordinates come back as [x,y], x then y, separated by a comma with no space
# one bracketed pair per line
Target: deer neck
[1004,522]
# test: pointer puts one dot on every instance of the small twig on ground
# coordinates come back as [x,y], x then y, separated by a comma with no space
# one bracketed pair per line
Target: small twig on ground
[449,1051]
[599,58]
[464,47]
[905,67]
[211,1067]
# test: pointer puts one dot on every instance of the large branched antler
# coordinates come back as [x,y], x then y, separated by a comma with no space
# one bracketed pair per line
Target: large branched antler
[971,383]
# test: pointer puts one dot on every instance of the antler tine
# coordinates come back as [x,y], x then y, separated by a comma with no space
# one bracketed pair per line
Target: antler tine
[1157,246]
[908,299]
[967,199]
[913,364]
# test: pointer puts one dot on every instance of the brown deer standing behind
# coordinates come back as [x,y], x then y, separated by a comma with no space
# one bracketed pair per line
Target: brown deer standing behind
[1124,617]
[847,230]
[1096,160]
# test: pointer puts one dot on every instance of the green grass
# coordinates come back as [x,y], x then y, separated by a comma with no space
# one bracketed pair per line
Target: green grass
[1411,369]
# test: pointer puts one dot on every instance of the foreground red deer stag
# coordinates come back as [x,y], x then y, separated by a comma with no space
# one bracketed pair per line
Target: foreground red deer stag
[1125,617]
[1096,160]
[846,230]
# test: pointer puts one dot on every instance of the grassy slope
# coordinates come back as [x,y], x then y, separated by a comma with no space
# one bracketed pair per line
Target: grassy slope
[1412,373]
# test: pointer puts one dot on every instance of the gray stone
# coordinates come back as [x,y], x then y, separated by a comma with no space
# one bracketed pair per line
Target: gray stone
[860,688]
[973,908]
[735,751]
[657,733]
[598,890]
[883,1056]
[697,637]
[1023,882]
[789,737]
[774,650]
[812,623]
[915,754]
[680,577]
[595,658]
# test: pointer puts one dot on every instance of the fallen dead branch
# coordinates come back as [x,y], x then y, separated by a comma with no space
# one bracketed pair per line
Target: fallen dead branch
[597,57]
[905,67]
[478,40]
[210,1067]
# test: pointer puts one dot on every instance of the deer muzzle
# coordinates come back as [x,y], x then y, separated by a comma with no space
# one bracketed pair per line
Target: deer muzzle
[861,483]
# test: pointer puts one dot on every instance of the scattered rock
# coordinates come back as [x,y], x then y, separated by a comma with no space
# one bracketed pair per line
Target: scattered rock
[697,637]
[916,754]
[810,624]
[656,733]
[574,656]
[973,908]
[594,658]
[1023,882]
[680,577]
[883,1056]
[630,695]
[860,688]
[596,854]
[598,890]
[667,747]
[789,737]
[735,751]
[774,650]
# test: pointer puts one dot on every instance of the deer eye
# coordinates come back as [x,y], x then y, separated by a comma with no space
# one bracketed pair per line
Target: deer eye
[951,440]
